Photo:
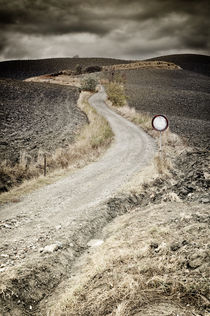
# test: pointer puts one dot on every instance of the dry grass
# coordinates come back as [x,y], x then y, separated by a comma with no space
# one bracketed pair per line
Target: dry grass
[89,145]
[163,163]
[172,144]
[116,94]
[150,255]
[61,79]
[142,65]
[142,119]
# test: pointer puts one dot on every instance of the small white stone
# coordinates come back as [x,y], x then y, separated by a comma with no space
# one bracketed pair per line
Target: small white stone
[95,242]
[4,255]
[7,226]
[51,248]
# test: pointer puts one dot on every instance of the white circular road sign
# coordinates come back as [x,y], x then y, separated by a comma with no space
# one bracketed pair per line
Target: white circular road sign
[160,123]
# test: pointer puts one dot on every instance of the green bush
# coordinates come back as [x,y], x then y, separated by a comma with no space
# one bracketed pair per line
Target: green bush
[89,84]
[116,94]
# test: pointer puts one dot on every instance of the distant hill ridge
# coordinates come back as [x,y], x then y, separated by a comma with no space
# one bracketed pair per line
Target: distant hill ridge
[22,69]
[191,62]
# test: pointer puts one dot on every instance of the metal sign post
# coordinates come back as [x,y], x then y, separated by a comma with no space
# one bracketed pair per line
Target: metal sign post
[160,124]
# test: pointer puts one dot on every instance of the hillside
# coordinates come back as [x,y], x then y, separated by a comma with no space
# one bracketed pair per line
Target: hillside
[182,95]
[192,62]
[22,69]
[36,118]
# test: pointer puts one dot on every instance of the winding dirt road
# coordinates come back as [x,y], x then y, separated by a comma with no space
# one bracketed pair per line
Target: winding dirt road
[55,211]
[56,203]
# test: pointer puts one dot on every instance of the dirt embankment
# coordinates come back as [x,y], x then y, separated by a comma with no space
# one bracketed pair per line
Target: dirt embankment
[153,261]
[36,118]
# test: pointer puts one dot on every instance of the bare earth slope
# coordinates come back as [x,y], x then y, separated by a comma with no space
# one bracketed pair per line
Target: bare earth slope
[192,62]
[37,116]
[54,212]
[183,96]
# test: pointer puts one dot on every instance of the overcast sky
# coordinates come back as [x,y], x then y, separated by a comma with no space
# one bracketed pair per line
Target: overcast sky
[128,29]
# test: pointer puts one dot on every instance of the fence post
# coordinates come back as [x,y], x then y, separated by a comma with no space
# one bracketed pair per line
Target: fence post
[45,165]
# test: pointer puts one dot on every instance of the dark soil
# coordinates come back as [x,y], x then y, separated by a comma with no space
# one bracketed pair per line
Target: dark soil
[190,180]
[183,96]
[22,69]
[36,117]
[196,63]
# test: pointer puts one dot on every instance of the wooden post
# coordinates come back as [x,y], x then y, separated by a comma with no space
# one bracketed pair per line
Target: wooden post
[160,145]
[112,76]
[45,165]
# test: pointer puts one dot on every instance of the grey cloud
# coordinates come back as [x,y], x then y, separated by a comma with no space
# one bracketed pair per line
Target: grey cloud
[49,20]
[66,16]
[186,22]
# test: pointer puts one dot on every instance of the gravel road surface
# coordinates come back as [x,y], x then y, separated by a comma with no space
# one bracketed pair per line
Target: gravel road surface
[58,205]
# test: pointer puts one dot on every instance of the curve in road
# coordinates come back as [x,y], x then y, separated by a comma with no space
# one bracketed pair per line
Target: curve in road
[131,150]
[70,199]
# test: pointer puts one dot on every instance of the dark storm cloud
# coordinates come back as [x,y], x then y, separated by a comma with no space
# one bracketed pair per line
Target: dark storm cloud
[157,25]
[52,17]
